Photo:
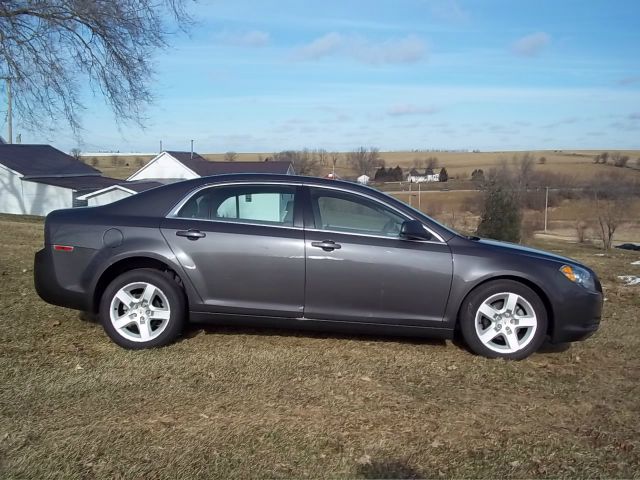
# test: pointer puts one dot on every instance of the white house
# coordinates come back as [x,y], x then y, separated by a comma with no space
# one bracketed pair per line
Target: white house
[36,179]
[363,179]
[415,177]
[172,166]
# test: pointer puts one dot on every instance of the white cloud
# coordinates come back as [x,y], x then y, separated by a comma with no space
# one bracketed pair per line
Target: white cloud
[320,47]
[531,45]
[409,109]
[449,10]
[409,49]
[252,38]
[629,80]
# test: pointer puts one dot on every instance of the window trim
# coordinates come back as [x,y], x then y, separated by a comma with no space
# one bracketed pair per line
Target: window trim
[440,240]
[173,213]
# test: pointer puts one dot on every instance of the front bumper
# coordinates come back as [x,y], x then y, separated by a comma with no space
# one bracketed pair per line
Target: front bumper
[577,316]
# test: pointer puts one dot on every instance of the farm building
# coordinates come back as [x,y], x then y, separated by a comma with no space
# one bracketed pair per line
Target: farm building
[36,179]
[173,166]
[416,177]
[112,193]
[363,179]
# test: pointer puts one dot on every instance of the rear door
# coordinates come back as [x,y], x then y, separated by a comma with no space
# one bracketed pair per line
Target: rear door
[242,247]
[360,270]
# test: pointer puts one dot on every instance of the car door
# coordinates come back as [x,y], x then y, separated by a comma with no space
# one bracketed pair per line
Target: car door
[360,270]
[242,247]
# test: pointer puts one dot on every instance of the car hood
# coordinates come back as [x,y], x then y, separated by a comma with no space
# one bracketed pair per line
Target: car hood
[516,249]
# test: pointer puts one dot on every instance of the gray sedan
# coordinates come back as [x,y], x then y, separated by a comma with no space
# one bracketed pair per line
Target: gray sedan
[298,252]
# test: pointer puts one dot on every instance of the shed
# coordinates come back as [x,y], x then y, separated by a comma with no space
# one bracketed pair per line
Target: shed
[36,179]
[363,179]
[116,192]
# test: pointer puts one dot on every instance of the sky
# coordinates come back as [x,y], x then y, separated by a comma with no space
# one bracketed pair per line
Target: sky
[267,75]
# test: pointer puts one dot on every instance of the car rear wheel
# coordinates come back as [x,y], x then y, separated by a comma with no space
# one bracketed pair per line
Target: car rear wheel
[504,319]
[142,309]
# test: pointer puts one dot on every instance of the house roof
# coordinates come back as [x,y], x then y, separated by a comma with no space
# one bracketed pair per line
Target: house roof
[204,167]
[42,161]
[90,183]
[78,183]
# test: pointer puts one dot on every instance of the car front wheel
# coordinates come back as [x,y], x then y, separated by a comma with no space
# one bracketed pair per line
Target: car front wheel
[142,309]
[504,319]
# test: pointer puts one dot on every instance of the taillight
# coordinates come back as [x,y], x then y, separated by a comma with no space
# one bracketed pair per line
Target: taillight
[63,248]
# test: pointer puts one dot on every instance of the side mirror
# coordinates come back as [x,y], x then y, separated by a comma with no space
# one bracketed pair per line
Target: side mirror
[414,230]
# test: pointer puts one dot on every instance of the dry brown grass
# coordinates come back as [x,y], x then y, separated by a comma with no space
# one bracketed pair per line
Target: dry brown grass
[255,403]
[575,164]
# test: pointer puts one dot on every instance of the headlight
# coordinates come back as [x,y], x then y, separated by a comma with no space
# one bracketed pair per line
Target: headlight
[578,275]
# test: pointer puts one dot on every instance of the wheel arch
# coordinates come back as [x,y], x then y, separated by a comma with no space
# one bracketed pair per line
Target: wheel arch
[525,281]
[132,263]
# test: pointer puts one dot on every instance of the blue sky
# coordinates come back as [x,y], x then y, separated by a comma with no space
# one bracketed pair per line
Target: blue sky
[401,74]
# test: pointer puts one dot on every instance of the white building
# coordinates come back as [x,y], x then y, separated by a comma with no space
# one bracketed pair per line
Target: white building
[416,177]
[115,192]
[36,179]
[172,166]
[363,179]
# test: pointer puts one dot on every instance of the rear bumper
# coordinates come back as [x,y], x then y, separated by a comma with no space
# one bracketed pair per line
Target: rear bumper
[49,286]
[578,318]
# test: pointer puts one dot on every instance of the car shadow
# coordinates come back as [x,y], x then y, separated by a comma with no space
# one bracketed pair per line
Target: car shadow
[89,317]
[548,347]
[194,329]
[387,469]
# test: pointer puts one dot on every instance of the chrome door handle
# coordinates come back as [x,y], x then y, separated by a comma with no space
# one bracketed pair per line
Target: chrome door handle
[191,234]
[327,245]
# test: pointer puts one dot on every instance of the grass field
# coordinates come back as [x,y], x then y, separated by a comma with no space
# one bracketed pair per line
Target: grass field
[261,403]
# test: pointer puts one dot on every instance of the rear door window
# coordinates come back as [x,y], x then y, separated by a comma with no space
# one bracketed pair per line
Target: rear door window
[260,204]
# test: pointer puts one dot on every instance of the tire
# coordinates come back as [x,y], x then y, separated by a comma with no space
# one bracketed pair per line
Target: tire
[131,320]
[491,327]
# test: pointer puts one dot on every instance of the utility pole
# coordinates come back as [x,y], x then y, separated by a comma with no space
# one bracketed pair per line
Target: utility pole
[419,197]
[546,206]
[9,109]
[160,146]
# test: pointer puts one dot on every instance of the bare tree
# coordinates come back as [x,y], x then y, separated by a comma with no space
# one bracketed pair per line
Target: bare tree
[525,165]
[611,197]
[619,160]
[230,157]
[304,162]
[418,163]
[51,48]
[76,153]
[432,163]
[364,160]
[323,156]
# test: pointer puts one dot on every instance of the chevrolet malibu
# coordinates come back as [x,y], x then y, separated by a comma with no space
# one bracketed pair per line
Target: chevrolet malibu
[298,252]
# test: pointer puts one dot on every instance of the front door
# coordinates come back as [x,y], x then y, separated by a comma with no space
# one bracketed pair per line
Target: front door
[242,248]
[360,270]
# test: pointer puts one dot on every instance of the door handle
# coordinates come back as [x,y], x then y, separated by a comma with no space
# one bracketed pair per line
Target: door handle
[327,245]
[191,234]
